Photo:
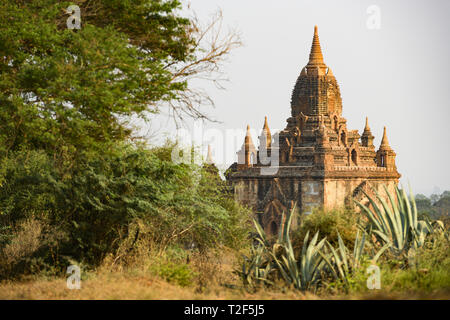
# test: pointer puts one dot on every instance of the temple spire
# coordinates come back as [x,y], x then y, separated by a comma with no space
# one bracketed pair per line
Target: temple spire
[367,128]
[248,138]
[384,141]
[367,137]
[209,159]
[316,57]
[247,154]
[266,125]
[265,140]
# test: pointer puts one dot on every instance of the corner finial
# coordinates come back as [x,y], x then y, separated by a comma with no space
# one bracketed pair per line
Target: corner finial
[384,140]
[367,128]
[248,136]
[209,159]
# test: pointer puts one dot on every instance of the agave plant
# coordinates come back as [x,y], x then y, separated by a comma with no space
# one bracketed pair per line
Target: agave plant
[256,268]
[396,223]
[303,273]
[342,263]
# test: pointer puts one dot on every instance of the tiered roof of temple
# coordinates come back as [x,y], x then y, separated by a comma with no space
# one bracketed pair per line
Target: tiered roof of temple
[316,133]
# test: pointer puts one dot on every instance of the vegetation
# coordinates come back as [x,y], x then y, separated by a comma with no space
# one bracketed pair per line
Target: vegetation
[77,186]
[400,243]
[434,207]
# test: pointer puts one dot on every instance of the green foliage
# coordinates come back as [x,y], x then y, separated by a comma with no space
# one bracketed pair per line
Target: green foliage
[177,273]
[330,223]
[397,223]
[71,92]
[271,262]
[68,158]
[345,265]
[435,207]
[320,265]
[427,272]
[104,197]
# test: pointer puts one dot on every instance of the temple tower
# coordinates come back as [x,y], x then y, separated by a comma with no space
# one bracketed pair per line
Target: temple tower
[321,162]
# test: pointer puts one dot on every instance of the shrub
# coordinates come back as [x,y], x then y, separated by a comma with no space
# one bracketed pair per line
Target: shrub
[129,192]
[28,249]
[329,223]
[177,273]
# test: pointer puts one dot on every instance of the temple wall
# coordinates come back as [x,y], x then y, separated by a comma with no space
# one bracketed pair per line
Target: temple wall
[312,195]
[338,192]
[246,192]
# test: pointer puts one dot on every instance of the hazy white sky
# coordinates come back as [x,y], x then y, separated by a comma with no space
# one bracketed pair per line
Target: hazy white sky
[397,75]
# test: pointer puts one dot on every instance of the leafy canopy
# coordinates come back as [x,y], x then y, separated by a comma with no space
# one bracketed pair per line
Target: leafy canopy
[72,92]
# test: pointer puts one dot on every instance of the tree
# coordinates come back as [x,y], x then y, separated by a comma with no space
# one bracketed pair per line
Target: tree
[68,156]
[442,206]
[434,198]
[73,92]
[424,207]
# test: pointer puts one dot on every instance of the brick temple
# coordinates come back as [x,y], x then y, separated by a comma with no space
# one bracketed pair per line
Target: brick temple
[321,163]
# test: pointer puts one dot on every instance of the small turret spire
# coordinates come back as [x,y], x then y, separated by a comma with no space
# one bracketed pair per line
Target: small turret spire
[330,73]
[367,137]
[384,141]
[266,125]
[367,128]
[209,159]
[248,142]
[265,140]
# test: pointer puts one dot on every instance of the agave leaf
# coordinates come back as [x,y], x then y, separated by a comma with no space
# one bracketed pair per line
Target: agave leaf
[414,207]
[397,215]
[385,216]
[358,249]
[343,251]
[380,252]
[395,229]
[383,236]
[408,209]
[330,264]
[261,232]
[338,261]
[371,215]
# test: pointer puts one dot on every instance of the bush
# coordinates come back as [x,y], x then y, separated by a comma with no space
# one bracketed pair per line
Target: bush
[127,193]
[28,249]
[428,271]
[177,273]
[329,223]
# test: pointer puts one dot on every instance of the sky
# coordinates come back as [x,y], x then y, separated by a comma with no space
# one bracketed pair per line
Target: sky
[390,58]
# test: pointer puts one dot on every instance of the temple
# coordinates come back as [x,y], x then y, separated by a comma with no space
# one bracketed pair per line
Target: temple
[320,162]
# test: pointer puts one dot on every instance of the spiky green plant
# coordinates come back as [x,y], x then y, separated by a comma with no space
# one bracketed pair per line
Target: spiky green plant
[342,263]
[396,223]
[305,272]
[256,268]
[279,260]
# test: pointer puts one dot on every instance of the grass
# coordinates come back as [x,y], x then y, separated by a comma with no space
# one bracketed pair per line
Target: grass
[212,279]
[124,286]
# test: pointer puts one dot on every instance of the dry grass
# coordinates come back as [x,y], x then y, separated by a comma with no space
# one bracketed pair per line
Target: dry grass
[26,241]
[125,286]
[214,280]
